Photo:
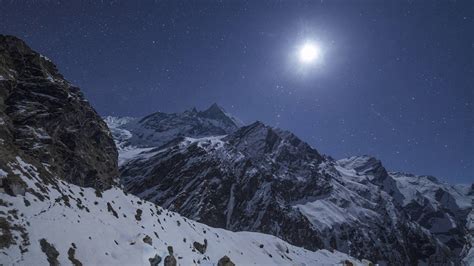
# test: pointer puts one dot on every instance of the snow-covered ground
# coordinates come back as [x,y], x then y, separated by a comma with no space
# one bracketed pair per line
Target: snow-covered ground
[114,228]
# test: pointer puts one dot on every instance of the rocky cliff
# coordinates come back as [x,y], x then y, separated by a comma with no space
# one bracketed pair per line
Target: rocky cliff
[46,118]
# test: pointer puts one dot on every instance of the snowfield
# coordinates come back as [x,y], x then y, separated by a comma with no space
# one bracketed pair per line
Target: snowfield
[114,228]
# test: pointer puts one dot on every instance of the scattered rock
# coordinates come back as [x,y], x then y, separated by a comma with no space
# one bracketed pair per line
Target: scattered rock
[51,253]
[155,260]
[200,247]
[13,185]
[71,253]
[147,239]
[6,238]
[347,263]
[225,261]
[138,215]
[111,209]
[170,260]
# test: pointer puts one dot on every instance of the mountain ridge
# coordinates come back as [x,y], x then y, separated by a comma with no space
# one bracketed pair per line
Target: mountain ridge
[280,158]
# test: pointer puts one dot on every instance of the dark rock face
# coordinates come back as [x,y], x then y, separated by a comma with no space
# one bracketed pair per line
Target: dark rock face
[46,118]
[236,193]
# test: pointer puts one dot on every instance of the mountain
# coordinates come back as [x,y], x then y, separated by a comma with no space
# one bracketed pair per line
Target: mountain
[60,204]
[267,180]
[159,128]
[439,207]
[46,118]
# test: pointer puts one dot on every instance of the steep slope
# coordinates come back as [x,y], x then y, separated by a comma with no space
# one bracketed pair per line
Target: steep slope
[267,180]
[200,180]
[468,251]
[66,224]
[47,118]
[439,207]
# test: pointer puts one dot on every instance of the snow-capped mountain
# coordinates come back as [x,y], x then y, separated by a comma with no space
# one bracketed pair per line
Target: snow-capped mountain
[159,128]
[267,180]
[60,204]
[439,207]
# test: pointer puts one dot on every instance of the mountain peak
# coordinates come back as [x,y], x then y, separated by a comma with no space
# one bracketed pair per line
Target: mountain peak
[216,107]
[218,113]
[214,110]
[16,55]
[365,164]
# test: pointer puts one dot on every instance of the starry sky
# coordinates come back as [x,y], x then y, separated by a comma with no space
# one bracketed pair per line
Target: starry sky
[395,79]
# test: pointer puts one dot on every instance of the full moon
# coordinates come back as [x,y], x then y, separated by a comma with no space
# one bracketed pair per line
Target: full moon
[309,53]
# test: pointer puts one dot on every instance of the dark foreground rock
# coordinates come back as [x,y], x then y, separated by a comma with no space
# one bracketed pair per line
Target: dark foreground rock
[46,118]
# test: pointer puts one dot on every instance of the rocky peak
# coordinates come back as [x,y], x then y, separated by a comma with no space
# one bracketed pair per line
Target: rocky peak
[48,119]
[216,112]
[19,62]
[258,140]
[365,165]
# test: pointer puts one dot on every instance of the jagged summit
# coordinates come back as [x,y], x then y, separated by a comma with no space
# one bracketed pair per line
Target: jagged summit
[218,113]
[258,139]
[158,128]
[19,62]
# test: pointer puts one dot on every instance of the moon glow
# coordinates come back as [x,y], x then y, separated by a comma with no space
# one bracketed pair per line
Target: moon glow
[309,53]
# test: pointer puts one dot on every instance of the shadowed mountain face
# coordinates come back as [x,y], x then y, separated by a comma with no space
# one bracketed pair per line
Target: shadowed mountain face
[263,179]
[47,118]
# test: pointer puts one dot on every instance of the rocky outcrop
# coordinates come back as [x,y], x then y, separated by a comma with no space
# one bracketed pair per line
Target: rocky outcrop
[155,261]
[170,260]
[50,251]
[200,247]
[47,119]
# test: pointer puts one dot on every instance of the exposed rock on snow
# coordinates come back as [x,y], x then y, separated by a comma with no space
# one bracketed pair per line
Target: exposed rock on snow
[66,223]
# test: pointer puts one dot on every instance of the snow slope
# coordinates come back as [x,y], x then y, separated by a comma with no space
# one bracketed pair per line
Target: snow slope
[114,228]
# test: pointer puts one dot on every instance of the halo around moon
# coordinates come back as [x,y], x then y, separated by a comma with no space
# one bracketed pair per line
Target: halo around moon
[309,53]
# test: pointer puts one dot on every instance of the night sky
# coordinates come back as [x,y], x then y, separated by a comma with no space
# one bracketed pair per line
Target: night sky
[394,80]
